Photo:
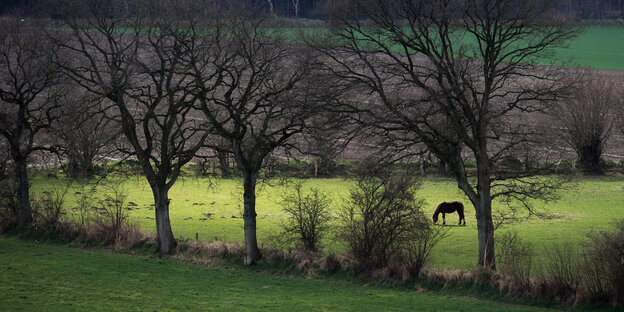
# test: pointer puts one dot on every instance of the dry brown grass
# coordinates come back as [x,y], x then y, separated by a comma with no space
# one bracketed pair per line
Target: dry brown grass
[207,253]
[130,237]
[329,263]
[447,278]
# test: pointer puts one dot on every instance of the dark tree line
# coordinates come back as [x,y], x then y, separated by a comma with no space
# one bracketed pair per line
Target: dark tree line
[175,78]
[581,9]
[593,9]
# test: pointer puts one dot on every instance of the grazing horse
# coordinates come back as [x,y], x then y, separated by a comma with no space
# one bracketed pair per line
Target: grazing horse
[449,207]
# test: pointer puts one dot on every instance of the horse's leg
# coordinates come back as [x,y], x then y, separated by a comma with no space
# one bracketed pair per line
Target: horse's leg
[444,218]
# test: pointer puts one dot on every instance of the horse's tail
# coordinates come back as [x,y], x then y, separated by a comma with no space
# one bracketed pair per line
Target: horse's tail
[460,212]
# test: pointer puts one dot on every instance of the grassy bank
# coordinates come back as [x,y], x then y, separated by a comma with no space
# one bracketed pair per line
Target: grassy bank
[44,277]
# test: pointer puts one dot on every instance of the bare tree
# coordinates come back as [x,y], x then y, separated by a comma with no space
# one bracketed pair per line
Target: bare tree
[271,7]
[308,216]
[325,139]
[29,96]
[452,74]
[620,109]
[84,132]
[296,7]
[588,119]
[249,83]
[136,63]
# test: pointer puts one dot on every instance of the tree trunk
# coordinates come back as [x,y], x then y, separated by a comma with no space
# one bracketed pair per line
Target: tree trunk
[81,167]
[421,164]
[252,253]
[485,229]
[86,166]
[483,206]
[23,198]
[296,5]
[166,241]
[224,165]
[589,154]
[443,168]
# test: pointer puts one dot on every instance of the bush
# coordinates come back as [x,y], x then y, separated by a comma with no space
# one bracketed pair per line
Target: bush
[8,201]
[515,259]
[308,216]
[417,248]
[84,203]
[561,277]
[382,222]
[603,266]
[111,215]
[48,208]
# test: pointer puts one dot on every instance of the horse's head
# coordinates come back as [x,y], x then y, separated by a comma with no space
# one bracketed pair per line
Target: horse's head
[435,217]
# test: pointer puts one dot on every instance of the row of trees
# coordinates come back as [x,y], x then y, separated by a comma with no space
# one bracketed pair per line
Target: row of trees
[595,9]
[177,77]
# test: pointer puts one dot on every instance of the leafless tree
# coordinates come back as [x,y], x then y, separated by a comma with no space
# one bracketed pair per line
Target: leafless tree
[308,216]
[250,86]
[29,93]
[84,133]
[325,139]
[452,74]
[271,11]
[620,110]
[296,7]
[588,119]
[136,63]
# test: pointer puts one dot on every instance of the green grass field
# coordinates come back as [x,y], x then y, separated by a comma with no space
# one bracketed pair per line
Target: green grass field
[598,47]
[592,206]
[43,277]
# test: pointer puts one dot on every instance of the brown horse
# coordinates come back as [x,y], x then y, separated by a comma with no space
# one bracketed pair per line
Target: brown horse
[449,207]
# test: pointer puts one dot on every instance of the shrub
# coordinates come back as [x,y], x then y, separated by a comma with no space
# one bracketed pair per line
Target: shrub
[382,222]
[48,208]
[308,216]
[560,278]
[603,266]
[417,248]
[8,201]
[329,263]
[84,203]
[111,215]
[515,259]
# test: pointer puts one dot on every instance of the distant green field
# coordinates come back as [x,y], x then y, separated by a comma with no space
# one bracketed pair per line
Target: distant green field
[598,47]
[43,277]
[593,206]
